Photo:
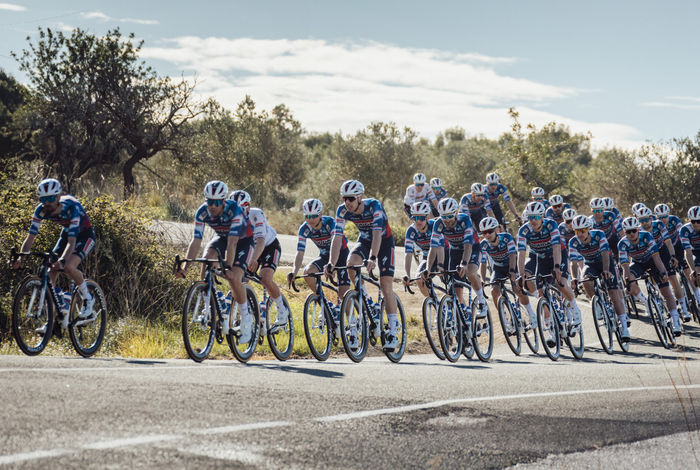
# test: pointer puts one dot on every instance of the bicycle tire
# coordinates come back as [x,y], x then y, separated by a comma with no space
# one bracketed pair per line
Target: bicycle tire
[396,354]
[244,354]
[282,335]
[87,337]
[506,316]
[624,345]
[600,319]
[480,327]
[193,321]
[656,320]
[631,306]
[321,343]
[430,311]
[531,336]
[23,326]
[553,352]
[693,307]
[350,307]
[576,343]
[449,329]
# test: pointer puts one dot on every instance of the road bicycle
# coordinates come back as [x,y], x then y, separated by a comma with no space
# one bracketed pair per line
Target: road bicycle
[459,331]
[693,307]
[514,324]
[367,321]
[658,312]
[37,314]
[204,318]
[551,306]
[606,321]
[430,310]
[280,338]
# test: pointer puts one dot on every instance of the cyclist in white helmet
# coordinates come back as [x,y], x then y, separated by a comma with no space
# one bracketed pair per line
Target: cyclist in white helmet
[537,195]
[417,192]
[476,204]
[439,192]
[690,238]
[419,234]
[566,231]
[557,208]
[494,190]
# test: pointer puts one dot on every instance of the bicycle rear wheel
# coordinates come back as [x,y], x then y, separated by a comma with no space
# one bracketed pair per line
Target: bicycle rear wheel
[510,325]
[87,334]
[353,325]
[631,305]
[244,351]
[693,307]
[657,320]
[317,328]
[396,354]
[531,337]
[198,321]
[600,320]
[575,341]
[482,331]
[279,337]
[549,330]
[32,316]
[430,323]
[449,329]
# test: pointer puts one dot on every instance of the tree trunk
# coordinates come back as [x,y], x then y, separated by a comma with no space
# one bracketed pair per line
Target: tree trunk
[128,174]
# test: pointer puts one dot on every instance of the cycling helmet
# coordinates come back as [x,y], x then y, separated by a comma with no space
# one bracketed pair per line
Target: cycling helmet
[241,197]
[420,208]
[609,203]
[352,188]
[312,207]
[488,223]
[447,205]
[556,200]
[436,183]
[492,178]
[215,190]
[419,178]
[478,189]
[636,206]
[49,187]
[534,208]
[569,214]
[694,213]
[597,203]
[643,212]
[537,192]
[661,210]
[630,223]
[582,221]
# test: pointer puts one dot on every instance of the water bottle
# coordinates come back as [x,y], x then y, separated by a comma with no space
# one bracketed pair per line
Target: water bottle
[228,300]
[263,310]
[67,297]
[61,299]
[220,299]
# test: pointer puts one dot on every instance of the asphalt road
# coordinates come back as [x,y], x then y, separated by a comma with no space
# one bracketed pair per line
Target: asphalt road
[636,410]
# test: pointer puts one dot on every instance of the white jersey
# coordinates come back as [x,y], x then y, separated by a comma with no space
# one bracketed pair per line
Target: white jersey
[413,195]
[261,229]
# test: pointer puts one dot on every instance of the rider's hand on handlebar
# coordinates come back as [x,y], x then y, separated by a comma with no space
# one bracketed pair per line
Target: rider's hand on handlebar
[16,264]
[607,275]
[406,281]
[462,270]
[328,269]
[371,264]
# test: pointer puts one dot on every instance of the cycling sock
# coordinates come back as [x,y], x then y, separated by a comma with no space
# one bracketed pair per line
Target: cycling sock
[84,290]
[684,304]
[392,322]
[479,294]
[279,302]
[640,297]
[528,307]
[674,314]
[243,308]
[623,319]
[697,293]
[573,304]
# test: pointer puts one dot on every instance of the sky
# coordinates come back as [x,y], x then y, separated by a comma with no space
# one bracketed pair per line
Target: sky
[626,71]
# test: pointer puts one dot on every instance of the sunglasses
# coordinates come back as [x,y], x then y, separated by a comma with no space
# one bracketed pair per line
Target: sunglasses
[214,202]
[311,216]
[419,185]
[534,217]
[419,217]
[580,230]
[597,211]
[436,187]
[644,220]
[695,221]
[349,198]
[631,231]
[538,198]
[447,216]
[493,185]
[557,206]
[44,199]
[488,232]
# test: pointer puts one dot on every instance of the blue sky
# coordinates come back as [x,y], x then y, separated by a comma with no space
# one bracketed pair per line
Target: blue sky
[626,71]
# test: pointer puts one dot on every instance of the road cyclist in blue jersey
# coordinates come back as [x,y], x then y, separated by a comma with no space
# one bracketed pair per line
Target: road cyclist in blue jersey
[607,222]
[690,239]
[75,243]
[438,191]
[475,204]
[537,195]
[639,254]
[557,208]
[234,240]
[375,246]
[566,232]
[419,234]
[494,190]
[592,245]
[609,205]
[417,192]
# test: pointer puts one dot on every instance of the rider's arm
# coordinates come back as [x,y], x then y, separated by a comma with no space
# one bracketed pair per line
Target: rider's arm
[522,248]
[407,264]
[192,251]
[658,263]
[70,248]
[511,206]
[259,247]
[671,249]
[29,243]
[376,243]
[689,257]
[606,260]
[231,243]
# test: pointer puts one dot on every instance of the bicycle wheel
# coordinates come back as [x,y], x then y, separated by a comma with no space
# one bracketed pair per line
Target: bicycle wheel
[87,334]
[279,337]
[693,307]
[244,351]
[396,354]
[32,316]
[430,310]
[449,329]
[600,320]
[531,337]
[631,306]
[575,341]
[657,320]
[353,324]
[666,316]
[548,330]
[316,328]
[624,345]
[482,331]
[510,325]
[198,321]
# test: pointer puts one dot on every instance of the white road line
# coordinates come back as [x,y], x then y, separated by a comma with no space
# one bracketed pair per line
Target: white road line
[148,368]
[244,427]
[439,403]
[131,441]
[37,454]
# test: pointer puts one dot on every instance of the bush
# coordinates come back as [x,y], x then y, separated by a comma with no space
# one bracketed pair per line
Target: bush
[399,232]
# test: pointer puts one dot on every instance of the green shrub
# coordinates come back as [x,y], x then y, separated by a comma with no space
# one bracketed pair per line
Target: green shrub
[399,232]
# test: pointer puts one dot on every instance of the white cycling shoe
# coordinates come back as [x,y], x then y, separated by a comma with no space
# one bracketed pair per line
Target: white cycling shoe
[676,326]
[246,330]
[282,316]
[391,343]
[86,311]
[625,333]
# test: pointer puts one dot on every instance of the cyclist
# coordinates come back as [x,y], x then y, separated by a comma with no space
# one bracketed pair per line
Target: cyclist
[439,192]
[542,236]
[609,205]
[494,189]
[417,192]
[690,238]
[375,244]
[673,225]
[639,254]
[501,248]
[607,222]
[593,246]
[464,252]
[537,194]
[234,239]
[566,232]
[76,241]
[666,252]
[419,233]
[557,208]
[476,204]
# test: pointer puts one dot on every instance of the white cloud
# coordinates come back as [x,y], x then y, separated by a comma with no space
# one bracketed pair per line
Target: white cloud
[675,102]
[99,16]
[12,7]
[139,21]
[65,27]
[94,15]
[345,86]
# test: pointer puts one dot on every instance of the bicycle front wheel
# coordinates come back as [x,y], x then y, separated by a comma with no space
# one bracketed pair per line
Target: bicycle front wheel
[600,320]
[510,325]
[354,327]
[32,316]
[198,321]
[317,328]
[482,331]
[394,355]
[430,310]
[693,307]
[548,327]
[87,334]
[280,336]
[244,351]
[449,329]
[530,333]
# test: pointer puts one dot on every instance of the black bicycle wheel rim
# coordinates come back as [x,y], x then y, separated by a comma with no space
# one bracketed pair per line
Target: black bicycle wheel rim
[281,340]
[430,313]
[320,343]
[189,322]
[241,353]
[482,329]
[552,352]
[396,354]
[505,314]
[656,320]
[87,338]
[600,324]
[449,331]
[24,326]
[349,306]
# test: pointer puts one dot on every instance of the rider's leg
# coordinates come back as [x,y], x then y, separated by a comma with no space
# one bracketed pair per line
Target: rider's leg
[310,281]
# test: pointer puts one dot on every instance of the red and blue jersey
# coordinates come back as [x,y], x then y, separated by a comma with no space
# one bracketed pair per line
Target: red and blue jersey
[591,252]
[72,217]
[493,196]
[457,237]
[321,237]
[566,235]
[690,238]
[659,232]
[673,225]
[610,225]
[477,209]
[231,222]
[639,252]
[372,218]
[415,237]
[501,250]
[542,242]
[439,193]
[558,218]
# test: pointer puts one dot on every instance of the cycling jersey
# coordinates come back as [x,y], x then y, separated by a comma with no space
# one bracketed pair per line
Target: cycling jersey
[439,193]
[690,239]
[609,224]
[231,222]
[372,218]
[501,251]
[493,196]
[592,252]
[457,237]
[659,232]
[72,217]
[558,218]
[321,237]
[422,240]
[261,229]
[414,195]
[541,242]
[640,252]
[566,236]
[476,209]
[673,225]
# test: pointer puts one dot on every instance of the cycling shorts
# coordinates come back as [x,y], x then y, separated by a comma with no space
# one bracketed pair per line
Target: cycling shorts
[322,261]
[84,243]
[270,256]
[424,265]
[531,263]
[385,258]
[638,269]
[545,266]
[596,269]
[499,272]
[666,259]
